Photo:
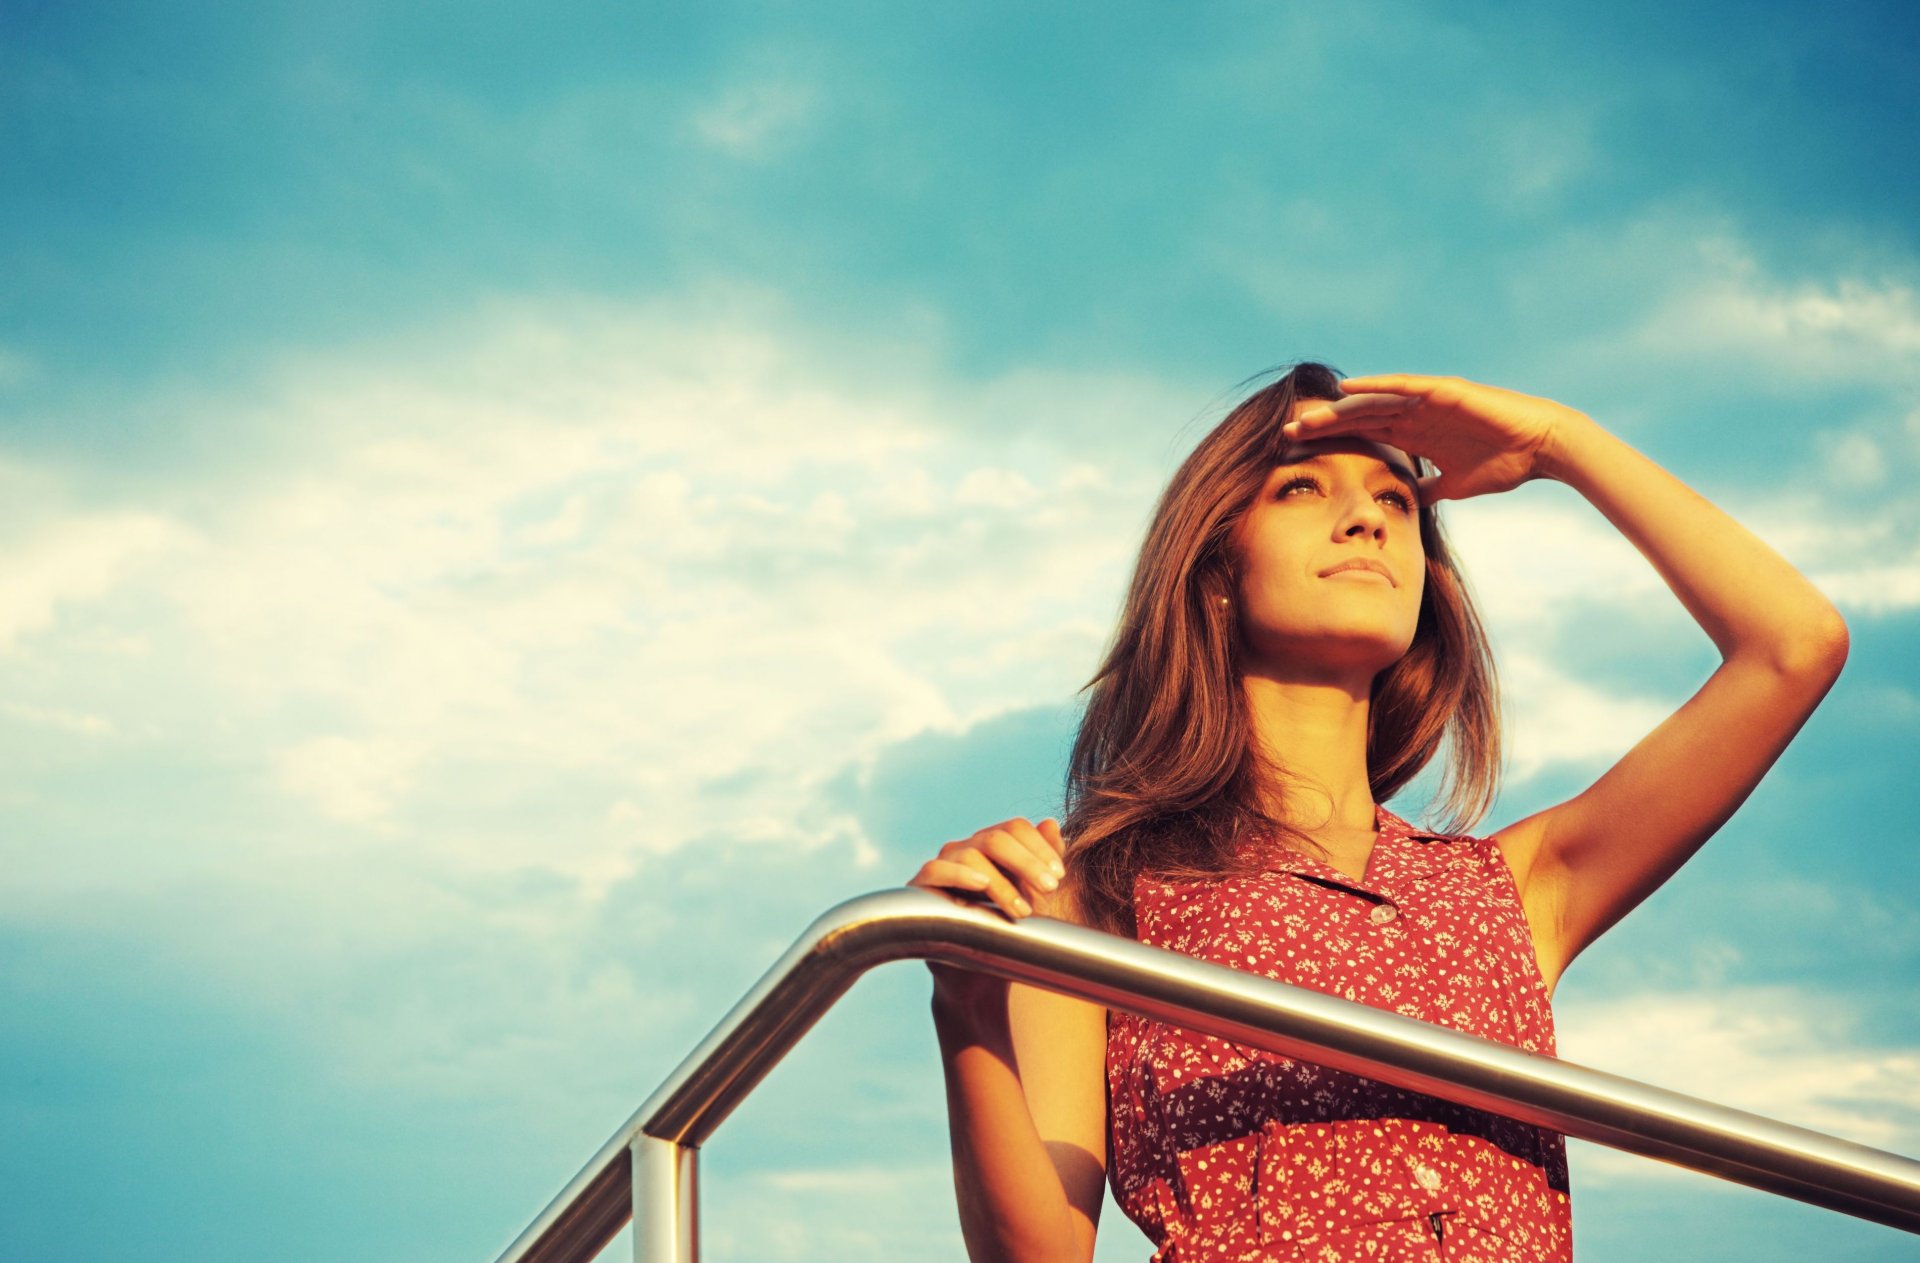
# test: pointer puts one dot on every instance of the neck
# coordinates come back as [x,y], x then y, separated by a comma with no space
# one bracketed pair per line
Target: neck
[1316,730]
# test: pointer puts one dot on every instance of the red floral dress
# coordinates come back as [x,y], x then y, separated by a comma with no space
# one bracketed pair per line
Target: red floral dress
[1220,1151]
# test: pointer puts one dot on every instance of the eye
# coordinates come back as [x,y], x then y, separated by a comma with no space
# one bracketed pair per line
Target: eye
[1398,499]
[1297,484]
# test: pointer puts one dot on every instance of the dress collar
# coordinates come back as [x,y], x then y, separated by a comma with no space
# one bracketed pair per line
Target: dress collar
[1400,853]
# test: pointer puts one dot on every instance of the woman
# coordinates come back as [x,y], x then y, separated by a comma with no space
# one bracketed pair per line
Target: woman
[1296,645]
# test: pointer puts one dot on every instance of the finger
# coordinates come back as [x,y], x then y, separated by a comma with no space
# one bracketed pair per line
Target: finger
[1373,403]
[950,875]
[1367,429]
[1017,846]
[1319,418]
[1035,837]
[1049,848]
[1050,830]
[998,888]
[1417,384]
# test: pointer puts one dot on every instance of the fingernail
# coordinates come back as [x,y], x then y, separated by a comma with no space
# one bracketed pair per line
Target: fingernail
[1022,907]
[1057,868]
[1046,881]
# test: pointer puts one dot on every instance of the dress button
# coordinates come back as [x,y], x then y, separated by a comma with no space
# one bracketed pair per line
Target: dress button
[1426,1177]
[1383,913]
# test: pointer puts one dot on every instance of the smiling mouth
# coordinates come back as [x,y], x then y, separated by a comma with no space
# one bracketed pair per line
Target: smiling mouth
[1371,568]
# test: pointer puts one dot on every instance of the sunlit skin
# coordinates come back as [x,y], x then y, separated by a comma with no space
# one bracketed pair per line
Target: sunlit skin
[1335,503]
[1331,574]
[1025,1069]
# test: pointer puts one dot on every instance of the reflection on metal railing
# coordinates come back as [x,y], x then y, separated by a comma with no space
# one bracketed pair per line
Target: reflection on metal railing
[647,1169]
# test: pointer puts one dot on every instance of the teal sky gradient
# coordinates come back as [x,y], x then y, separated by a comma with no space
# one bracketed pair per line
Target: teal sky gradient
[508,510]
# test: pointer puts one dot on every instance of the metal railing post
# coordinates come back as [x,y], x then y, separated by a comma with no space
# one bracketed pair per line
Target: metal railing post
[649,1165]
[666,1201]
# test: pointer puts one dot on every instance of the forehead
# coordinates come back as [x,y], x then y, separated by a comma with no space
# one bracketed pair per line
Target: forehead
[1302,451]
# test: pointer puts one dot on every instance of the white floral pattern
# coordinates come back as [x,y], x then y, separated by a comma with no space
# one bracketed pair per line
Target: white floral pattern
[1221,1151]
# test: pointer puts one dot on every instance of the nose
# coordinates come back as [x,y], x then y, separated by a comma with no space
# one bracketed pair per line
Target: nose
[1362,515]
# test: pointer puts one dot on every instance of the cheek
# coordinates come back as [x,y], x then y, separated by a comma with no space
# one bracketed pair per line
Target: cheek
[1269,556]
[1414,593]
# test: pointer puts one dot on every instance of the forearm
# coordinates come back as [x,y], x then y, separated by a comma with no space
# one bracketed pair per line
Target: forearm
[1587,862]
[1748,599]
[1012,1203]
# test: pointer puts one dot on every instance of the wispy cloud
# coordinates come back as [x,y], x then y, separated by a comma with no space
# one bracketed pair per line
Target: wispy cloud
[54,555]
[1820,329]
[751,119]
[1788,1053]
[433,696]
[648,572]
[63,720]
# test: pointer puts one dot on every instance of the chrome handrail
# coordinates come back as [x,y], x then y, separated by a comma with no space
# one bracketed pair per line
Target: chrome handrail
[651,1162]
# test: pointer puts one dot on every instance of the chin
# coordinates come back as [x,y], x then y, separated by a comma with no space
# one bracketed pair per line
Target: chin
[1343,650]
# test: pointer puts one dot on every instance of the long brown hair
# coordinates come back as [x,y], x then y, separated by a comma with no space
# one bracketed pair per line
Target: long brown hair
[1166,777]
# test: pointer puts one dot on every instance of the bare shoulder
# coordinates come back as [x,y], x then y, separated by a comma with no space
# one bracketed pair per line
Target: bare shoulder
[1526,847]
[1521,844]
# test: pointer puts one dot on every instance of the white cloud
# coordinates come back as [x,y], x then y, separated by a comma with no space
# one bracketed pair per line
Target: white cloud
[857,1212]
[654,549]
[1876,589]
[857,1180]
[997,489]
[1782,1052]
[556,593]
[77,722]
[1536,153]
[52,555]
[1533,554]
[1556,719]
[1862,549]
[348,780]
[1815,329]
[1856,460]
[748,120]
[590,561]
[1538,568]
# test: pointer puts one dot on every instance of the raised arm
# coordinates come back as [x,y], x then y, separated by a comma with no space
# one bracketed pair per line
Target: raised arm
[1025,1069]
[1584,864]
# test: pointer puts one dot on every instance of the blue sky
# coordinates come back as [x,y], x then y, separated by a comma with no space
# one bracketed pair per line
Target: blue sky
[507,511]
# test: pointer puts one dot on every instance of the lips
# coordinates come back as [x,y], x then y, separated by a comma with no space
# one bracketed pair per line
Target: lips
[1363,563]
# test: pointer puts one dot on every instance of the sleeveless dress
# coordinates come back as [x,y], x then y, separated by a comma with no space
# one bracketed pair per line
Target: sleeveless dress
[1220,1151]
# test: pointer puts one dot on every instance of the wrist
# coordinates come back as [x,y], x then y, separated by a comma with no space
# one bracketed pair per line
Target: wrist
[968,1008]
[1568,447]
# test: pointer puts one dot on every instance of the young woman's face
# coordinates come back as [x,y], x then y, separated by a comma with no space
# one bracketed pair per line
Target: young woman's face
[1332,568]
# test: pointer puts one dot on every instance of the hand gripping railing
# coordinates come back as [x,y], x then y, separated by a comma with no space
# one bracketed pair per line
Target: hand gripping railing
[647,1170]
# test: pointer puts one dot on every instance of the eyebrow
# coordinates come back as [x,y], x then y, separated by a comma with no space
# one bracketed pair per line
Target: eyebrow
[1396,469]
